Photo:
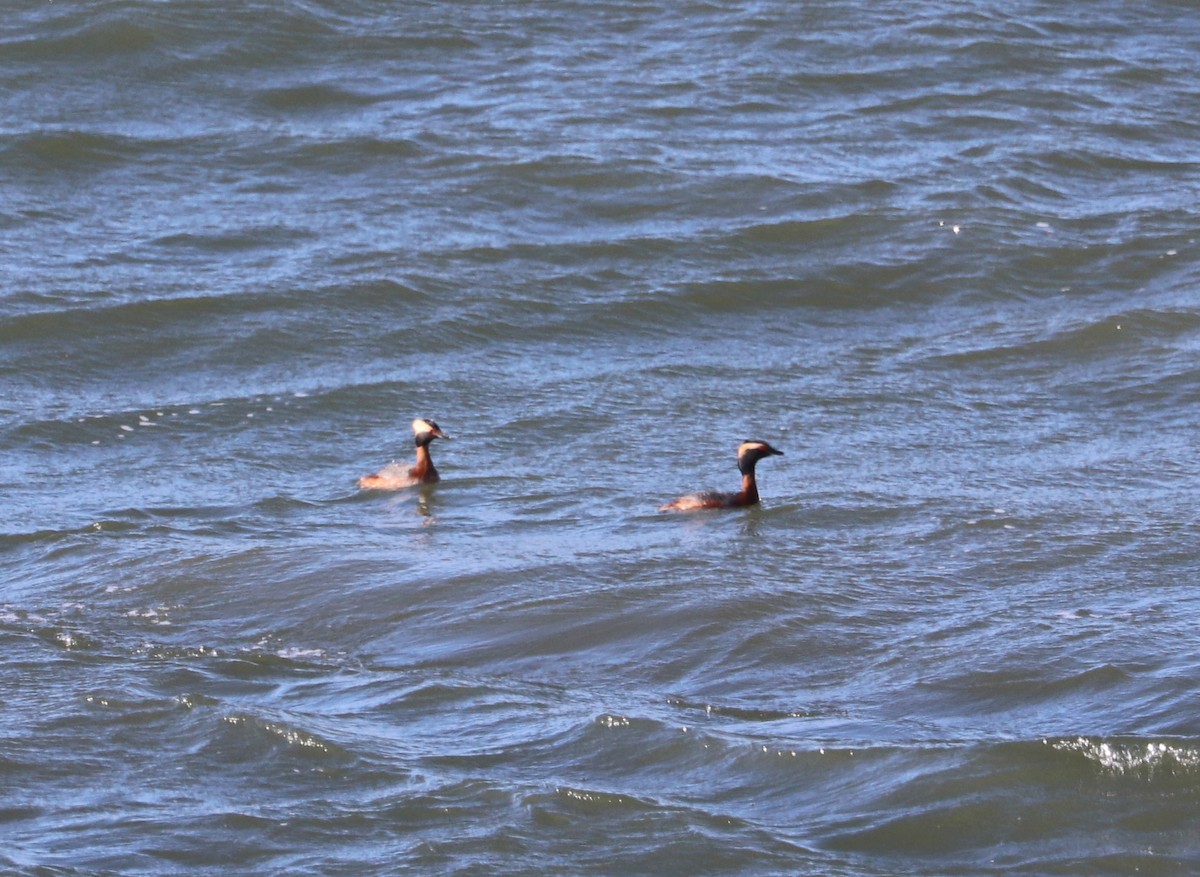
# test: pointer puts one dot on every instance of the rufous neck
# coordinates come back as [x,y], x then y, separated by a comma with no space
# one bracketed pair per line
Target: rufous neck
[424,461]
[749,487]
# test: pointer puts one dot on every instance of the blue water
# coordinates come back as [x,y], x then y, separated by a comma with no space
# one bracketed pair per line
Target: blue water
[944,257]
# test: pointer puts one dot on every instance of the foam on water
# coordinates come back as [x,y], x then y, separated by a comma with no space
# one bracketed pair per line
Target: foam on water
[1136,758]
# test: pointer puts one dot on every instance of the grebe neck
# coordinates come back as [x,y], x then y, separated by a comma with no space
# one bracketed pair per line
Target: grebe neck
[424,470]
[749,492]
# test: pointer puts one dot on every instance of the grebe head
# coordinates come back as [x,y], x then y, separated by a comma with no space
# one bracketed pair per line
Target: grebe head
[425,431]
[750,452]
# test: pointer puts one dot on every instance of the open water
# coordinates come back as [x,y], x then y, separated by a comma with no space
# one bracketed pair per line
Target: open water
[944,255]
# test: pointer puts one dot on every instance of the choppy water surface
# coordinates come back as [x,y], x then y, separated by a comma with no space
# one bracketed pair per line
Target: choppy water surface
[943,255]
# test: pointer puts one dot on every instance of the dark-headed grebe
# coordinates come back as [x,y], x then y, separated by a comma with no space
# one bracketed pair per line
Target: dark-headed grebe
[749,453]
[394,476]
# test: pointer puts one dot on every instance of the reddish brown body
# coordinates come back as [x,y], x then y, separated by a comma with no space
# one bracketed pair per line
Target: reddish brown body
[749,453]
[395,476]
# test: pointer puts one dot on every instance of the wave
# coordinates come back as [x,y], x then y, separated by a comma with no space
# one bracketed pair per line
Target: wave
[1135,333]
[1136,758]
[73,149]
[143,29]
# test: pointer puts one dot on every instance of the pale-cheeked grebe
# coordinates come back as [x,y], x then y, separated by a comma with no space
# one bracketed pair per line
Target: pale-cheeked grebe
[394,476]
[749,453]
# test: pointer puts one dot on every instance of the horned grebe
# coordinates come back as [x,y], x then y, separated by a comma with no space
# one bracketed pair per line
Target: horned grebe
[749,453]
[394,476]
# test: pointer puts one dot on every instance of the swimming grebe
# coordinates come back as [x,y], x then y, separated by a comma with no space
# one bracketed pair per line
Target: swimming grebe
[394,476]
[749,453]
